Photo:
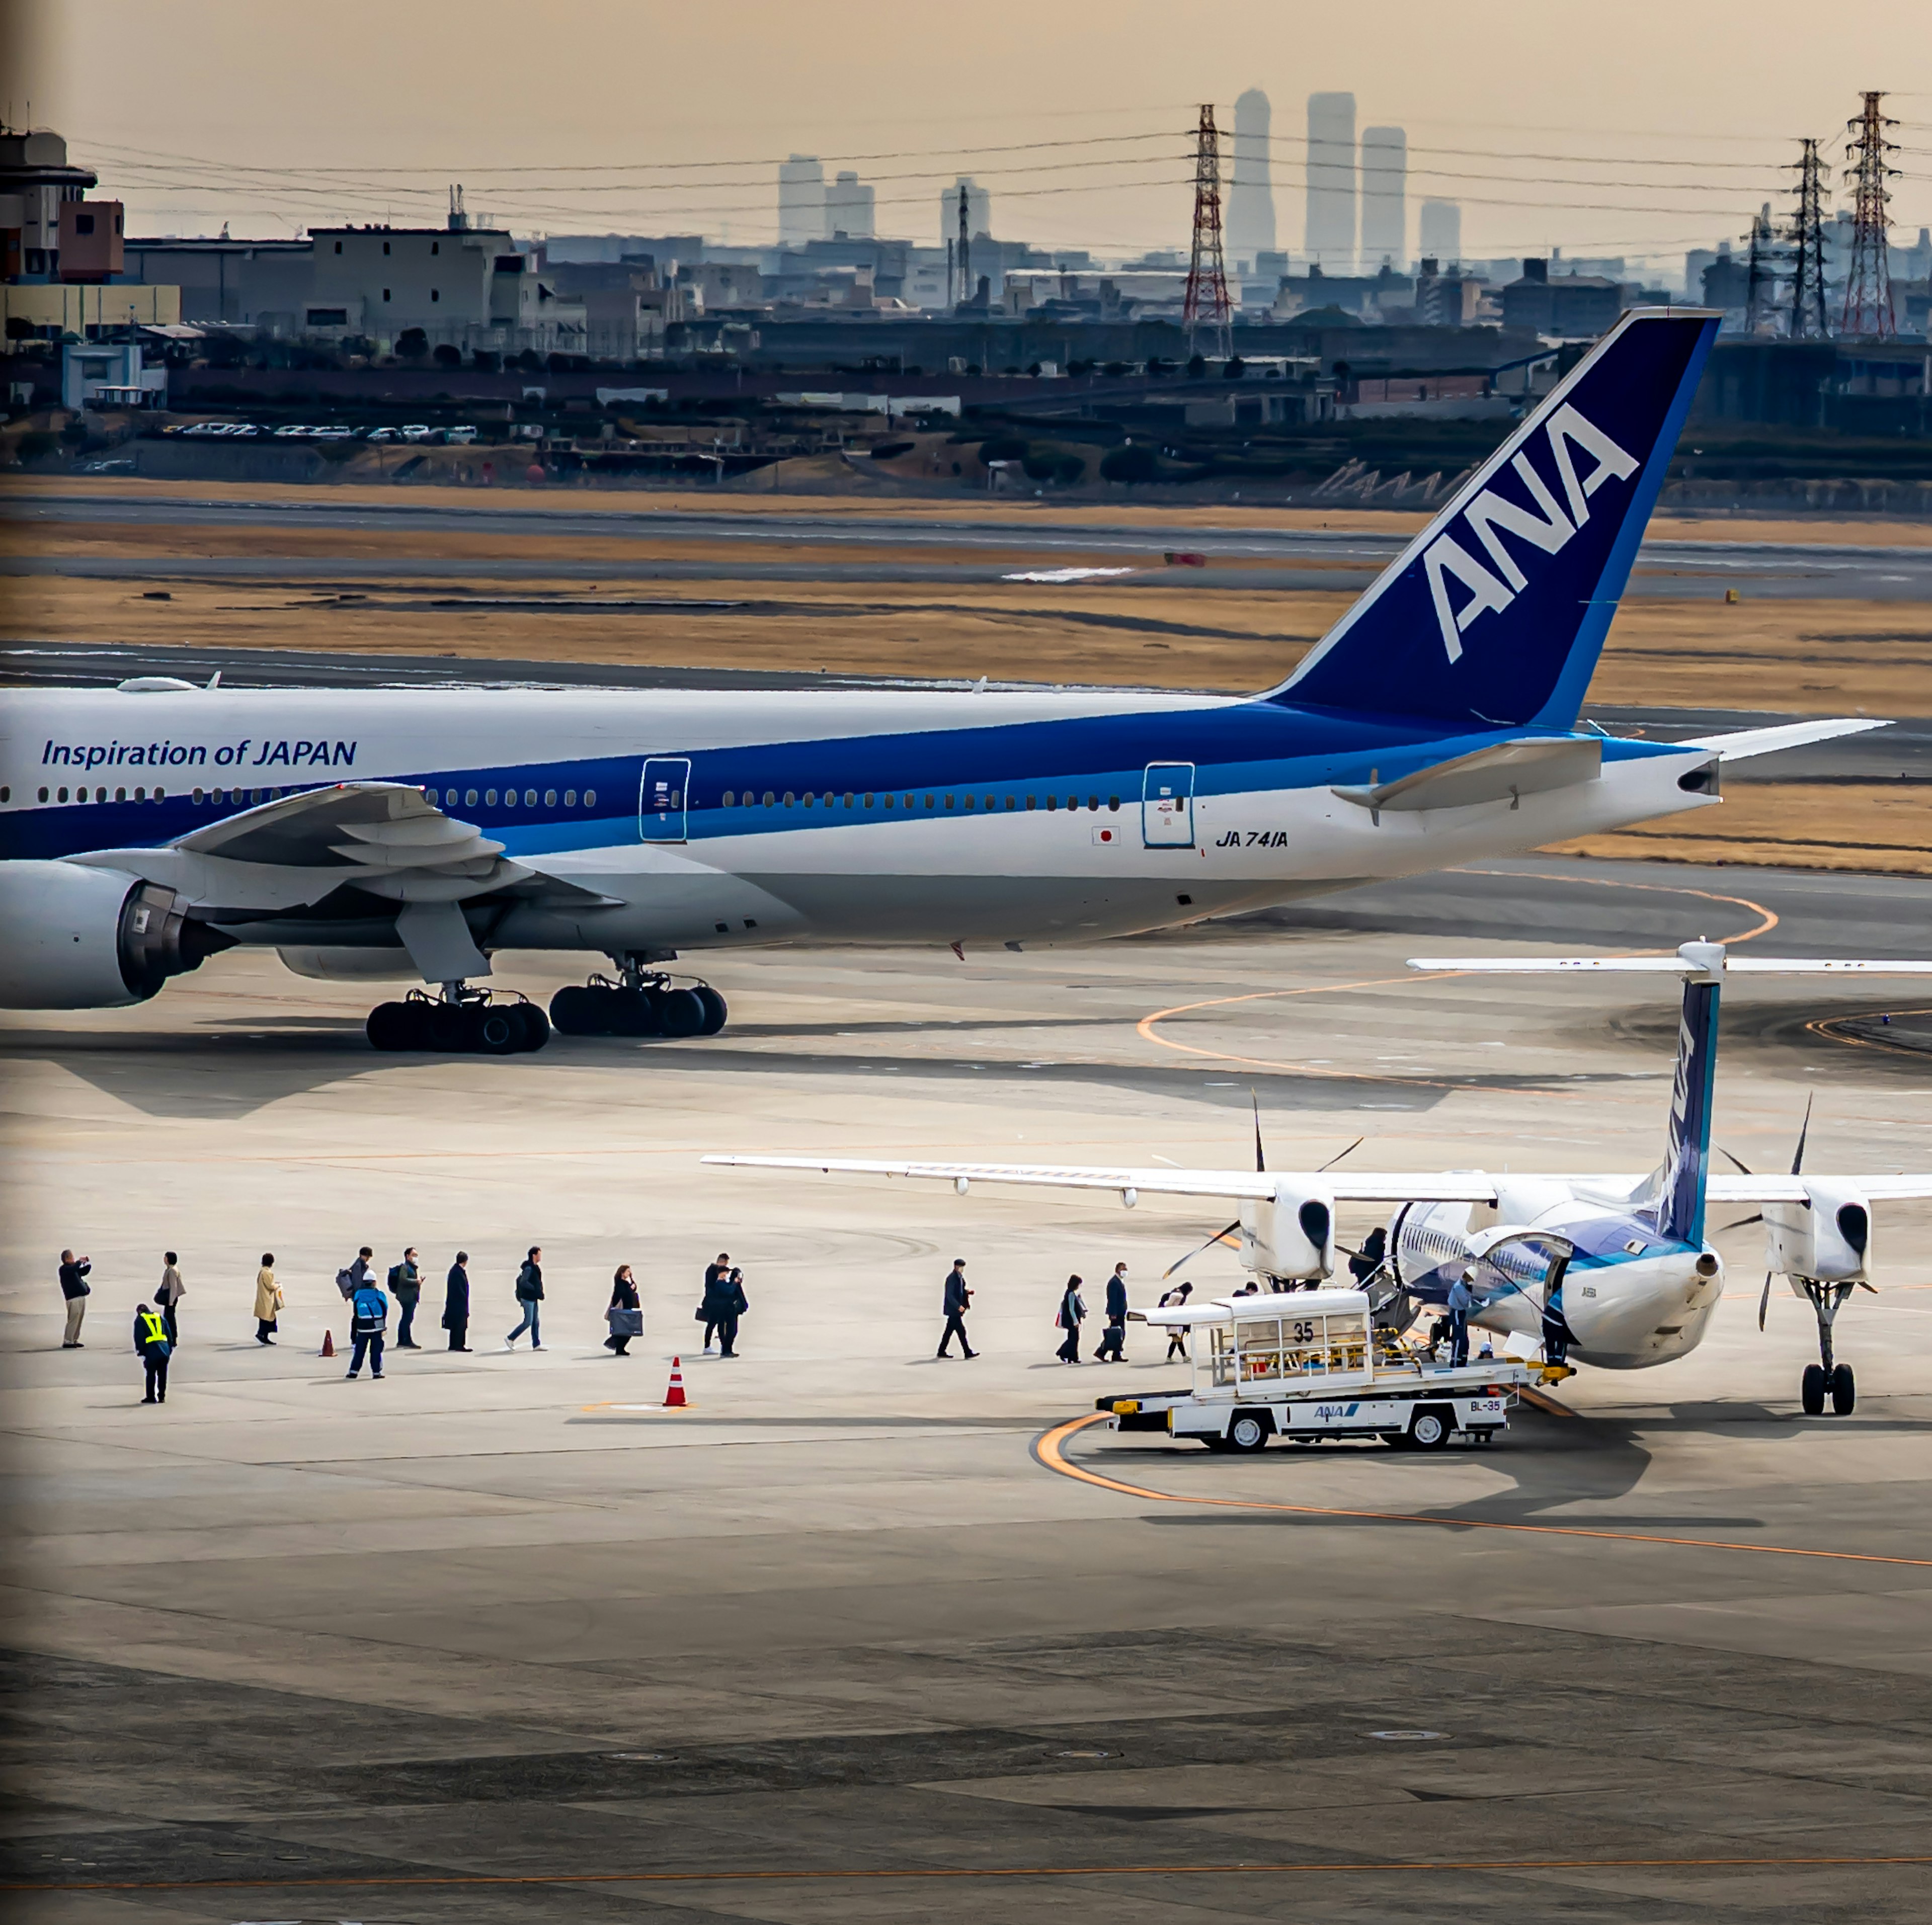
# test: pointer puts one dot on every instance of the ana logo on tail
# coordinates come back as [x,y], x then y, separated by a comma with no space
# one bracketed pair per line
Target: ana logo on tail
[1489,517]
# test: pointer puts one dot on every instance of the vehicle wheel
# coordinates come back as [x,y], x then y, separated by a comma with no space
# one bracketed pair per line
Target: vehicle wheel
[714,1011]
[497,1032]
[445,1026]
[1248,1431]
[632,1013]
[1428,1429]
[532,1026]
[1844,1391]
[1811,1390]
[681,1012]
[577,1010]
[389,1026]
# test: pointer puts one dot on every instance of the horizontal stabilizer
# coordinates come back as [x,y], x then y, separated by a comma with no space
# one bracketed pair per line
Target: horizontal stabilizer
[1694,959]
[1745,743]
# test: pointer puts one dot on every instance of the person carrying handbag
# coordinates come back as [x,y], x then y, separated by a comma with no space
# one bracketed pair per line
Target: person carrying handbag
[625,1315]
[267,1300]
[1072,1310]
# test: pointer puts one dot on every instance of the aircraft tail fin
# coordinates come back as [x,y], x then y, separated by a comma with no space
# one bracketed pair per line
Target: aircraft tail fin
[1687,1162]
[1496,612]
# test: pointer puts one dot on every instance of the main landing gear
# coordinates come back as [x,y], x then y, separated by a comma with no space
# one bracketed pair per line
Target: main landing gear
[459,1021]
[647,1003]
[1825,1377]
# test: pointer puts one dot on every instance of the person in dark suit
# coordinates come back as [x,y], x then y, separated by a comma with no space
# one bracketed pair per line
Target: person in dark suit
[958,1297]
[405,1287]
[456,1302]
[1072,1310]
[731,1306]
[75,1289]
[1112,1345]
[715,1275]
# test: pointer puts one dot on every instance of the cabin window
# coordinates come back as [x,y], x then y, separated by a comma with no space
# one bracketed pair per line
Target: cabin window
[529,798]
[868,801]
[469,799]
[731,798]
[570,799]
[949,802]
[63,795]
[161,795]
[770,799]
[44,795]
[1053,801]
[590,798]
[808,798]
[120,795]
[789,798]
[140,794]
[490,796]
[848,798]
[969,801]
[890,800]
[1113,803]
[549,799]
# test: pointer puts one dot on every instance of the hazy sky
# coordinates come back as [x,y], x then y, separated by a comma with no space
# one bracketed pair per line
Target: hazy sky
[1627,127]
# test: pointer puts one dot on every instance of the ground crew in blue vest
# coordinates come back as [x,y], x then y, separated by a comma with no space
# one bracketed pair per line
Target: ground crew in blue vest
[1112,1345]
[1462,1301]
[406,1286]
[150,1339]
[958,1297]
[369,1318]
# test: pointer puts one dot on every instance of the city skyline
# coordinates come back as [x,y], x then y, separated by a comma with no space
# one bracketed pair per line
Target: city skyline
[1647,165]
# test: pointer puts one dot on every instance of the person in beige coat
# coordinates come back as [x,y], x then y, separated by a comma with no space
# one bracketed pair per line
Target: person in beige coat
[268,1299]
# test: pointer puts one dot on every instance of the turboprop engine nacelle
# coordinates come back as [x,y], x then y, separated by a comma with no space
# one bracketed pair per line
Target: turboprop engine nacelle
[1827,1236]
[1290,1235]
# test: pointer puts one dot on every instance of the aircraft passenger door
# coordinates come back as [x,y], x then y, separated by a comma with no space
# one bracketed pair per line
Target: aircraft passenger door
[1167,806]
[663,798]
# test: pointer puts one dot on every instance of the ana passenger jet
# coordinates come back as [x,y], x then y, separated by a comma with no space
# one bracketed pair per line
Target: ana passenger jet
[416,832]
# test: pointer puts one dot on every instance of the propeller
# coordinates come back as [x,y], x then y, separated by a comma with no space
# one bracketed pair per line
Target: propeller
[1219,1237]
[1261,1160]
[1797,1164]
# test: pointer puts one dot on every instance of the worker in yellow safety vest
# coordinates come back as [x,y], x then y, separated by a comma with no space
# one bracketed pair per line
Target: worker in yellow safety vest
[150,1339]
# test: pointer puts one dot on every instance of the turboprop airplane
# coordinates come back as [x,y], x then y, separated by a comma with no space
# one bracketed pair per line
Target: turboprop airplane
[1616,1270]
[416,833]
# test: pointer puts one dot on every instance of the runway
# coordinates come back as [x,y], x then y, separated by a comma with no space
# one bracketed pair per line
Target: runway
[499,1637]
[1286,559]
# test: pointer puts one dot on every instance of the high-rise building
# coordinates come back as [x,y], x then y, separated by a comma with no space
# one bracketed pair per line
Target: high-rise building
[1385,198]
[848,208]
[801,201]
[1441,230]
[1330,242]
[1251,196]
[979,211]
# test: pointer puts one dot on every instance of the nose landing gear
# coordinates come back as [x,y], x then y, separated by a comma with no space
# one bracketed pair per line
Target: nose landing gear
[1825,1376]
[647,1003]
[459,1020]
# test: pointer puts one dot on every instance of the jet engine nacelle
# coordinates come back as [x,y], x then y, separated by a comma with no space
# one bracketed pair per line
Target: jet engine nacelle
[72,937]
[1827,1236]
[1290,1235]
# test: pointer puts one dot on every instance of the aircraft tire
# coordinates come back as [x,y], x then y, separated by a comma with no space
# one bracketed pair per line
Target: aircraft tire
[444,1027]
[1428,1429]
[1844,1391]
[1811,1390]
[388,1025]
[714,1011]
[533,1025]
[682,1012]
[577,1010]
[631,1013]
[495,1032]
[1249,1431]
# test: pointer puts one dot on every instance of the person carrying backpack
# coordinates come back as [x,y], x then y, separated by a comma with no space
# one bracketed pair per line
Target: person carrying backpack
[351,1279]
[151,1341]
[405,1287]
[369,1318]
[529,1294]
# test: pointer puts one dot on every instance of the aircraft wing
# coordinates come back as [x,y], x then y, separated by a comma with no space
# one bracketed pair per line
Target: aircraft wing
[1399,1187]
[1741,743]
[1776,1189]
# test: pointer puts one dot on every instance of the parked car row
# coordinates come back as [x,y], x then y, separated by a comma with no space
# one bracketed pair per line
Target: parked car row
[414,431]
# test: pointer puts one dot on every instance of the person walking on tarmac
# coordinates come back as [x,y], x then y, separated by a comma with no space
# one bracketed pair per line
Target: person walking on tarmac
[405,1287]
[731,1305]
[715,1275]
[456,1302]
[1462,1301]
[1072,1310]
[76,1290]
[1113,1345]
[529,1294]
[168,1293]
[369,1318]
[268,1299]
[150,1341]
[957,1299]
[626,1314]
[1176,1333]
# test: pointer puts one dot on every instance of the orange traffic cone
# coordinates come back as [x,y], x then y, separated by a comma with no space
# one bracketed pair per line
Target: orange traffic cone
[329,1343]
[674,1398]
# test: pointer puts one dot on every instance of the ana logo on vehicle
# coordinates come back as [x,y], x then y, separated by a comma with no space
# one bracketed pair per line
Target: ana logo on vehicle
[1490,516]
